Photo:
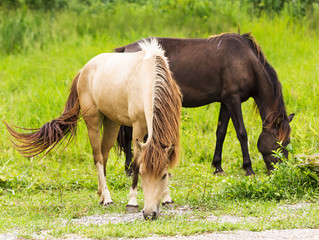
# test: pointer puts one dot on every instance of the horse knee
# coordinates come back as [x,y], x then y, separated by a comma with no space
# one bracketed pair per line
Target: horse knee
[242,135]
[220,132]
[98,159]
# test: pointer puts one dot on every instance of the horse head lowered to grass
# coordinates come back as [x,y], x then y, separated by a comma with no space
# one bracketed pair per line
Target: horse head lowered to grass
[114,89]
[227,68]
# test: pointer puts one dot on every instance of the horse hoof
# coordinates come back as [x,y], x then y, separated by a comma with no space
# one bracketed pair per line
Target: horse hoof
[221,173]
[168,204]
[249,173]
[132,208]
[102,203]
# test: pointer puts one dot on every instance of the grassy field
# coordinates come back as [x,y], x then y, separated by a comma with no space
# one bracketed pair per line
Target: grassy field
[41,52]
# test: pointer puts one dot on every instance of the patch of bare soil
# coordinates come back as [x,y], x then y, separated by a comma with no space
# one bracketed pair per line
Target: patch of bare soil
[293,234]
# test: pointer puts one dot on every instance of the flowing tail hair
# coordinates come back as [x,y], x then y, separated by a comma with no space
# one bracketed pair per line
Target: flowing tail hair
[51,133]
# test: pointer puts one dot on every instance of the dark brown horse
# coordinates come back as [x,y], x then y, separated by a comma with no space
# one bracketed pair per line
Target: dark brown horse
[228,68]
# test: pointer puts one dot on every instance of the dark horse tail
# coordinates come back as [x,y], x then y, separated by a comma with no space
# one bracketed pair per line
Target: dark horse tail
[125,134]
[51,133]
[278,108]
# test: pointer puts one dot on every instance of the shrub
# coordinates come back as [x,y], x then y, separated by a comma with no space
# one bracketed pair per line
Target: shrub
[289,181]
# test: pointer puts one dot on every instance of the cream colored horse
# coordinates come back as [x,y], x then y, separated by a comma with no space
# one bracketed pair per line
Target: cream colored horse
[114,89]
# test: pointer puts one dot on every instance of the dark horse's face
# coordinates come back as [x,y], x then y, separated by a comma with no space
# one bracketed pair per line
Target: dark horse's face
[269,140]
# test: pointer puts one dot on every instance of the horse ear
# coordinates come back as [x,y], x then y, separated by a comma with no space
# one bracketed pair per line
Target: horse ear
[290,117]
[169,150]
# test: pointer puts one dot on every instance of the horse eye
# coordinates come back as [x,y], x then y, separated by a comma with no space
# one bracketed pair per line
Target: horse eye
[164,176]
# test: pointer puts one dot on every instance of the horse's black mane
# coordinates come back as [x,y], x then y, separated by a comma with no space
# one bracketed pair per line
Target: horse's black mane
[270,71]
[279,109]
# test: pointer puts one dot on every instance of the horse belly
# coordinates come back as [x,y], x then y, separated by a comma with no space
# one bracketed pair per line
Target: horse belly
[111,99]
[117,113]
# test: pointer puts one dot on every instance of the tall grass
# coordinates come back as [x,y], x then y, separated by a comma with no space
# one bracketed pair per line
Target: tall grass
[24,29]
[289,181]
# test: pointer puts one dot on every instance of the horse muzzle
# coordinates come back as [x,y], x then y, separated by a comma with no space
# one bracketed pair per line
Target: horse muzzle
[151,215]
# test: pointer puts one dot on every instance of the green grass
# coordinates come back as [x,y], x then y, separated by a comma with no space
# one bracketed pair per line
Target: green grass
[38,61]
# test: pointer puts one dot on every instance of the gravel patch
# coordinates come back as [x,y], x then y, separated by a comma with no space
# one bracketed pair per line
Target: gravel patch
[230,219]
[108,218]
[131,217]
[296,206]
[294,234]
[8,236]
[124,218]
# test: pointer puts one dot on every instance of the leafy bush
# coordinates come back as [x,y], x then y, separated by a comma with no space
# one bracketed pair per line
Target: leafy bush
[26,25]
[296,8]
[289,181]
[34,4]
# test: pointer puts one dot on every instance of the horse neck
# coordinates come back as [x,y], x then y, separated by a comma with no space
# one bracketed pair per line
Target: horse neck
[163,130]
[269,99]
[166,110]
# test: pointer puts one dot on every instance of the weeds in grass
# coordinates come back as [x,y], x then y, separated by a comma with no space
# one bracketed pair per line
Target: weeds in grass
[289,181]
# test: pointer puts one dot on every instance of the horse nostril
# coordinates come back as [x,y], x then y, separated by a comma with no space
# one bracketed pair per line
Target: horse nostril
[152,216]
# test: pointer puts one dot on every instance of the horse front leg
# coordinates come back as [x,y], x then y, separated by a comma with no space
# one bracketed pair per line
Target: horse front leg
[138,134]
[132,205]
[234,109]
[221,131]
[128,149]
[167,200]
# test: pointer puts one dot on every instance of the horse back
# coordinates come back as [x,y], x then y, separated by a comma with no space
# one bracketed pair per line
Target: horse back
[209,70]
[107,81]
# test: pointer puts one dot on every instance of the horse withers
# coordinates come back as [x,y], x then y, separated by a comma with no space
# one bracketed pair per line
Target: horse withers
[227,68]
[114,89]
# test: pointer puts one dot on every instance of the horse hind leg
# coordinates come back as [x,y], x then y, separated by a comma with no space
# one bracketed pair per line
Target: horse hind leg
[110,133]
[220,137]
[94,119]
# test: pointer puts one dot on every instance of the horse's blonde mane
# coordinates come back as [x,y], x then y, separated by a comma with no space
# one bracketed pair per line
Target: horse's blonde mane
[166,114]
[152,48]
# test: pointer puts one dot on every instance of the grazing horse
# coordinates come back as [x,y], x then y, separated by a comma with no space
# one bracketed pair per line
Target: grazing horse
[227,68]
[114,89]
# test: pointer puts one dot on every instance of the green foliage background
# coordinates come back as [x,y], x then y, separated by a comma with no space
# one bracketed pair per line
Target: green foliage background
[43,44]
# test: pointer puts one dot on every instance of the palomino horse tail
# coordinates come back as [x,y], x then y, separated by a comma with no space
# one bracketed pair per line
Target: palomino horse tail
[51,133]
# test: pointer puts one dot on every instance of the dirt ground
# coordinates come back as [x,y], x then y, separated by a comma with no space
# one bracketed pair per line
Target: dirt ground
[293,234]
